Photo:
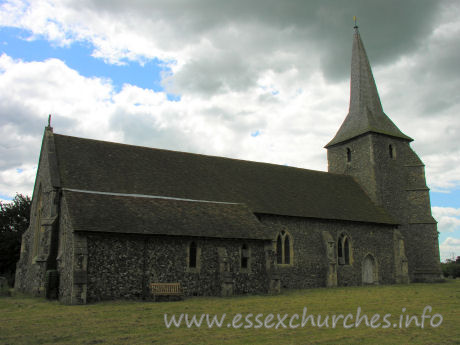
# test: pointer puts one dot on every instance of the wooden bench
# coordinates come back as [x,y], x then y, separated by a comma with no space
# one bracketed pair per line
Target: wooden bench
[166,289]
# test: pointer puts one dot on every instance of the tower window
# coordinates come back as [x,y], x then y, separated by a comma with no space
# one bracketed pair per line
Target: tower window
[391,151]
[348,154]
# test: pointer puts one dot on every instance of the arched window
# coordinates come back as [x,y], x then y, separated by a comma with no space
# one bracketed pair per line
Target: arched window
[283,248]
[279,250]
[344,250]
[287,250]
[244,256]
[192,257]
[339,250]
[348,154]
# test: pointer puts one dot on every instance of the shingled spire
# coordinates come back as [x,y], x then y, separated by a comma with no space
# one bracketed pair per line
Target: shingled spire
[365,113]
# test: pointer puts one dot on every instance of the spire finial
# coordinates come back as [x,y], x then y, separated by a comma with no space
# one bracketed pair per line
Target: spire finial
[354,19]
[49,128]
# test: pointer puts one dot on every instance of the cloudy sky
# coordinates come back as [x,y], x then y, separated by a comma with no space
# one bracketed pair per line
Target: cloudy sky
[263,80]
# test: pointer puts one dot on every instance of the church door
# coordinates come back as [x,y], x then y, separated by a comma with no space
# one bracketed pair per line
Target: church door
[368,270]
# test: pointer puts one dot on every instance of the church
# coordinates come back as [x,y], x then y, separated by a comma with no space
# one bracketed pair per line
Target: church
[109,219]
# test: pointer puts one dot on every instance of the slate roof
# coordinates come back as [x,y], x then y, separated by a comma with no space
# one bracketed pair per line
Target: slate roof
[93,165]
[365,113]
[158,216]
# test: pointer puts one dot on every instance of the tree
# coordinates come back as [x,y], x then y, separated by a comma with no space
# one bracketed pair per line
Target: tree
[14,220]
[451,268]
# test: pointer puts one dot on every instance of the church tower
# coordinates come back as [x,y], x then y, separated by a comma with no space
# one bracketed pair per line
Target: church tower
[372,149]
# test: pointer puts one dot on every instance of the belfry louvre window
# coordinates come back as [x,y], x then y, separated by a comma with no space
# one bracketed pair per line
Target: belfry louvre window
[193,252]
[283,248]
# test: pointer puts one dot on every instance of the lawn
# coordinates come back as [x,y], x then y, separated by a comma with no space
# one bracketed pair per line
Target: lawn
[27,320]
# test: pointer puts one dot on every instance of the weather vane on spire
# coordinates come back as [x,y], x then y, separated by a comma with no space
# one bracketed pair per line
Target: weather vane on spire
[354,19]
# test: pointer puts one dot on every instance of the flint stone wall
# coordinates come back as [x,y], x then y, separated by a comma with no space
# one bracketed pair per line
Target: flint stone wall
[309,268]
[123,266]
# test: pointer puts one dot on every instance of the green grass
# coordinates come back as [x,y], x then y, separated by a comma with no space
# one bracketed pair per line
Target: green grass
[27,320]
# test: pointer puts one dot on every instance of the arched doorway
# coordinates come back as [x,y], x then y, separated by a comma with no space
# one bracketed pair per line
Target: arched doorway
[370,275]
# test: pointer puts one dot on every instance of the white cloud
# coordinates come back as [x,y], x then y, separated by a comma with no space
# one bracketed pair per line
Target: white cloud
[18,180]
[448,222]
[445,211]
[450,248]
[248,36]
[220,125]
[418,92]
[448,218]
[240,67]
[35,89]
[29,92]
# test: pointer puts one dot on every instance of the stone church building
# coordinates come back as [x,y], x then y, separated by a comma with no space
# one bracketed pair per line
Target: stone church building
[109,219]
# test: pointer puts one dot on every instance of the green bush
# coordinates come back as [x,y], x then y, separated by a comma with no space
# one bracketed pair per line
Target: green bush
[14,220]
[451,268]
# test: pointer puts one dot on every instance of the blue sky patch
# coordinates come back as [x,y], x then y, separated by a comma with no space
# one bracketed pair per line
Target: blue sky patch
[451,199]
[5,197]
[443,236]
[173,98]
[78,57]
